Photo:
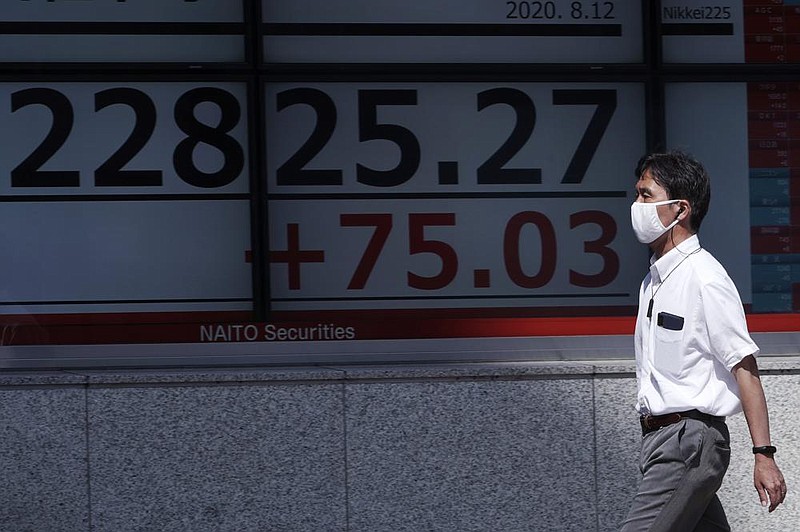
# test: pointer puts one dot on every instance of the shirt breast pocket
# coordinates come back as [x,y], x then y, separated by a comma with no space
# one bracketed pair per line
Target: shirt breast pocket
[669,343]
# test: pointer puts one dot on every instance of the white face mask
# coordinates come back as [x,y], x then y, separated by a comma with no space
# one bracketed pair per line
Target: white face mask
[646,223]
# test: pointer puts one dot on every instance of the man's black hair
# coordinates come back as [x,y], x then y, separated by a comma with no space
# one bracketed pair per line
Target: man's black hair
[683,177]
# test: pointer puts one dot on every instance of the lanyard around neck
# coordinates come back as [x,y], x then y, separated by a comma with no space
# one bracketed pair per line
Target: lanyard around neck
[653,293]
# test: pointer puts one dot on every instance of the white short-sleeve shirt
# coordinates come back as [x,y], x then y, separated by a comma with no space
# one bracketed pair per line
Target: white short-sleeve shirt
[696,334]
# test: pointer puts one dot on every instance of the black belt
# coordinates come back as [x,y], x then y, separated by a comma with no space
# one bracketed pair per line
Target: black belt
[650,423]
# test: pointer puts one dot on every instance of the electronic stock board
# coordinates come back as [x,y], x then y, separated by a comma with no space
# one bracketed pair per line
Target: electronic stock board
[206,171]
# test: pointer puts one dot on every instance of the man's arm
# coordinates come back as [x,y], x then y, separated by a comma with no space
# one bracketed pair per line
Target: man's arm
[767,477]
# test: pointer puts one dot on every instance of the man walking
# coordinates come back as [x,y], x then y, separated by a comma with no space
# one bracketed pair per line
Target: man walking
[695,361]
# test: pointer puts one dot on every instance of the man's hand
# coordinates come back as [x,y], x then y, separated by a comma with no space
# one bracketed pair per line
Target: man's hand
[769,481]
[767,478]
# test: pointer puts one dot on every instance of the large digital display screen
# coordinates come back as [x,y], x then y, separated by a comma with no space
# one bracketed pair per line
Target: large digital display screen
[126,31]
[295,195]
[452,31]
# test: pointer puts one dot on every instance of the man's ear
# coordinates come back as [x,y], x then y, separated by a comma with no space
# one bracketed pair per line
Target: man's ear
[683,207]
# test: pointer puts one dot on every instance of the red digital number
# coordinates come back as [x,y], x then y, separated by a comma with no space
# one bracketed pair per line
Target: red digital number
[511,242]
[419,244]
[383,226]
[608,231]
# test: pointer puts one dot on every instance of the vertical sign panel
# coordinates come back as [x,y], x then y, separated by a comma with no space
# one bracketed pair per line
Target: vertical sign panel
[774,148]
[748,134]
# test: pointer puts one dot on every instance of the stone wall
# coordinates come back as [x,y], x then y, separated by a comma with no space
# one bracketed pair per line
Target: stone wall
[539,446]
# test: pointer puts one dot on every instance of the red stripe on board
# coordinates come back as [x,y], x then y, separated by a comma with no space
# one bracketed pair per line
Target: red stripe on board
[149,328]
[495,327]
[137,333]
[773,322]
